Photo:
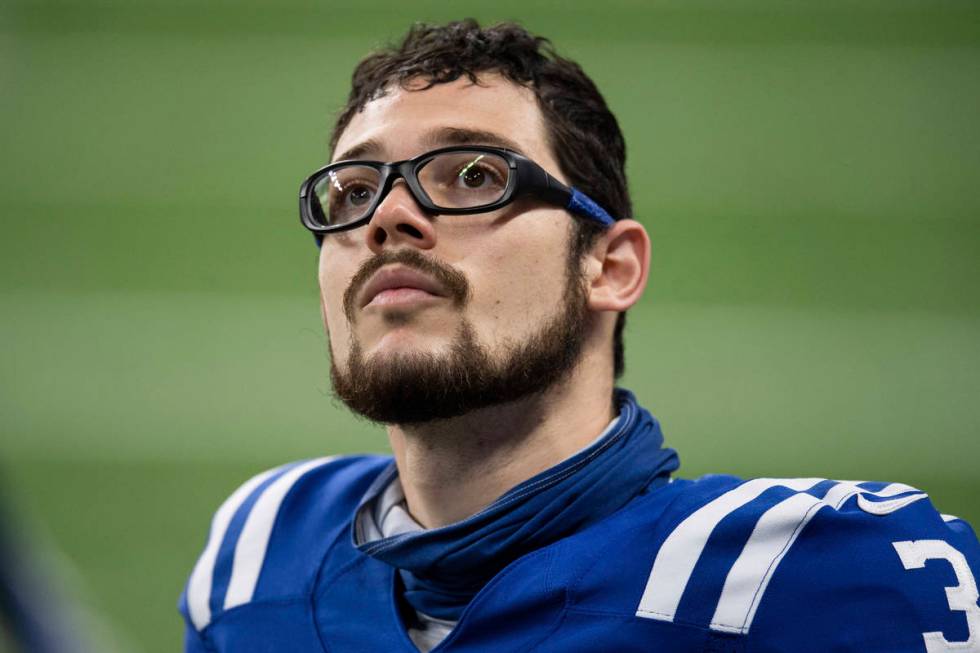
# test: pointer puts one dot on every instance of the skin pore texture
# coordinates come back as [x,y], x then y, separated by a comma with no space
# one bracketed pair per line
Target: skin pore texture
[514,261]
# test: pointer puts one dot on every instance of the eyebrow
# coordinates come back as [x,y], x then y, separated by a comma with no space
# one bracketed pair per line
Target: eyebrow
[444,136]
[464,136]
[360,150]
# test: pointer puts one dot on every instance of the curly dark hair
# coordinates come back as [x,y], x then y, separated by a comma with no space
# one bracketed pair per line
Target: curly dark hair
[582,132]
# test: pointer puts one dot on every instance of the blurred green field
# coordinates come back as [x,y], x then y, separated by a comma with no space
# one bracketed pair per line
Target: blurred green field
[808,172]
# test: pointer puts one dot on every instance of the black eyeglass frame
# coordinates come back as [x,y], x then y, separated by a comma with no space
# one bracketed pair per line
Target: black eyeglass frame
[526,179]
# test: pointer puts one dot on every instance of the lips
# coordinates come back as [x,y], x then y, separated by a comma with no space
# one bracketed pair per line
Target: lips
[399,282]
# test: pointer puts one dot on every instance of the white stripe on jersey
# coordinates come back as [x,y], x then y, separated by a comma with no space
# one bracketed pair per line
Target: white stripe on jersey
[773,535]
[252,543]
[680,552]
[844,490]
[199,585]
[886,507]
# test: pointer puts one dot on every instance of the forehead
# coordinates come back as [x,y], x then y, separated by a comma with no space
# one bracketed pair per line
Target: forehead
[408,121]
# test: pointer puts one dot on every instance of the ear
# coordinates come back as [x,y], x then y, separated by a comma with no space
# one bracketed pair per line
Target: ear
[618,266]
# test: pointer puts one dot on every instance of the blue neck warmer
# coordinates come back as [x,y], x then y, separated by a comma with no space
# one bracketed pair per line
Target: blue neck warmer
[444,568]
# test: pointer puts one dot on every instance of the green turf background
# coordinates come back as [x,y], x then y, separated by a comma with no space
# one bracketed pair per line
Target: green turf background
[808,172]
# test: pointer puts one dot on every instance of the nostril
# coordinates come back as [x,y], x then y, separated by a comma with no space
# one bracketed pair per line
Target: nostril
[380,236]
[410,230]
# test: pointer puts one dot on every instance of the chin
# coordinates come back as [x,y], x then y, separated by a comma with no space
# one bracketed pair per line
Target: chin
[408,335]
[402,343]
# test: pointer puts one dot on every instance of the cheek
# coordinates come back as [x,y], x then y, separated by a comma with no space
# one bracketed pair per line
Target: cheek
[333,281]
[522,283]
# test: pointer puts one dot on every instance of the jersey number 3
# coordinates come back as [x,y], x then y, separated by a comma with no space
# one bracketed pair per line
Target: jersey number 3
[962,597]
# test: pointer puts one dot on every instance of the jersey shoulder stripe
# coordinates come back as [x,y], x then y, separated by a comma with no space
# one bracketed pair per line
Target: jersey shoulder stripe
[198,593]
[762,519]
[229,572]
[680,552]
[251,546]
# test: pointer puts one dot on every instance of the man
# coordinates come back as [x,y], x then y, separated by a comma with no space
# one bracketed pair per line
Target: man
[476,259]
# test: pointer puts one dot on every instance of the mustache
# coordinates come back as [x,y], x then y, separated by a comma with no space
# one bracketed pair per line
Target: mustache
[452,280]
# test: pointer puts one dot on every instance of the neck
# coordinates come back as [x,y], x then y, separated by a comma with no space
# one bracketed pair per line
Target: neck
[451,469]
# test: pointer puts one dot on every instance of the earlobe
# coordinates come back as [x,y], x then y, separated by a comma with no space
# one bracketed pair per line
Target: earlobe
[623,257]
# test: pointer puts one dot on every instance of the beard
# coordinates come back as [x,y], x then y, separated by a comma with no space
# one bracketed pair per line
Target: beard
[414,387]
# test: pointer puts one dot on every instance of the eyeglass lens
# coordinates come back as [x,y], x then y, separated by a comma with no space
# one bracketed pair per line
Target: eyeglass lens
[451,180]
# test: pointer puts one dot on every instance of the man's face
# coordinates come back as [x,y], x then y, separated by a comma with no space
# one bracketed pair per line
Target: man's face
[411,298]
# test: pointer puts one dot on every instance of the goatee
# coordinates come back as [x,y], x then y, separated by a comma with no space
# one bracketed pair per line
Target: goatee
[414,387]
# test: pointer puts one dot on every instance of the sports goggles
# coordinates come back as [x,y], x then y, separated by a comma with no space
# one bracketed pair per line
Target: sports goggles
[451,180]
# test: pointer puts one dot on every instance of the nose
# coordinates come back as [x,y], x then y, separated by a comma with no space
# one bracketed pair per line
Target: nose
[399,220]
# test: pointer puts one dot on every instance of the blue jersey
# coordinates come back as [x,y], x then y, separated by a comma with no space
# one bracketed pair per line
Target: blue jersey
[714,565]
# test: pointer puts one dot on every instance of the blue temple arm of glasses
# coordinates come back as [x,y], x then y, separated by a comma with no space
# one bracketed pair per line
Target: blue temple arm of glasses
[583,205]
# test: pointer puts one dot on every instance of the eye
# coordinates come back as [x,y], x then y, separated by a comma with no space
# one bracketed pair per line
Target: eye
[464,179]
[346,193]
[358,195]
[352,193]
[477,174]
[473,177]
